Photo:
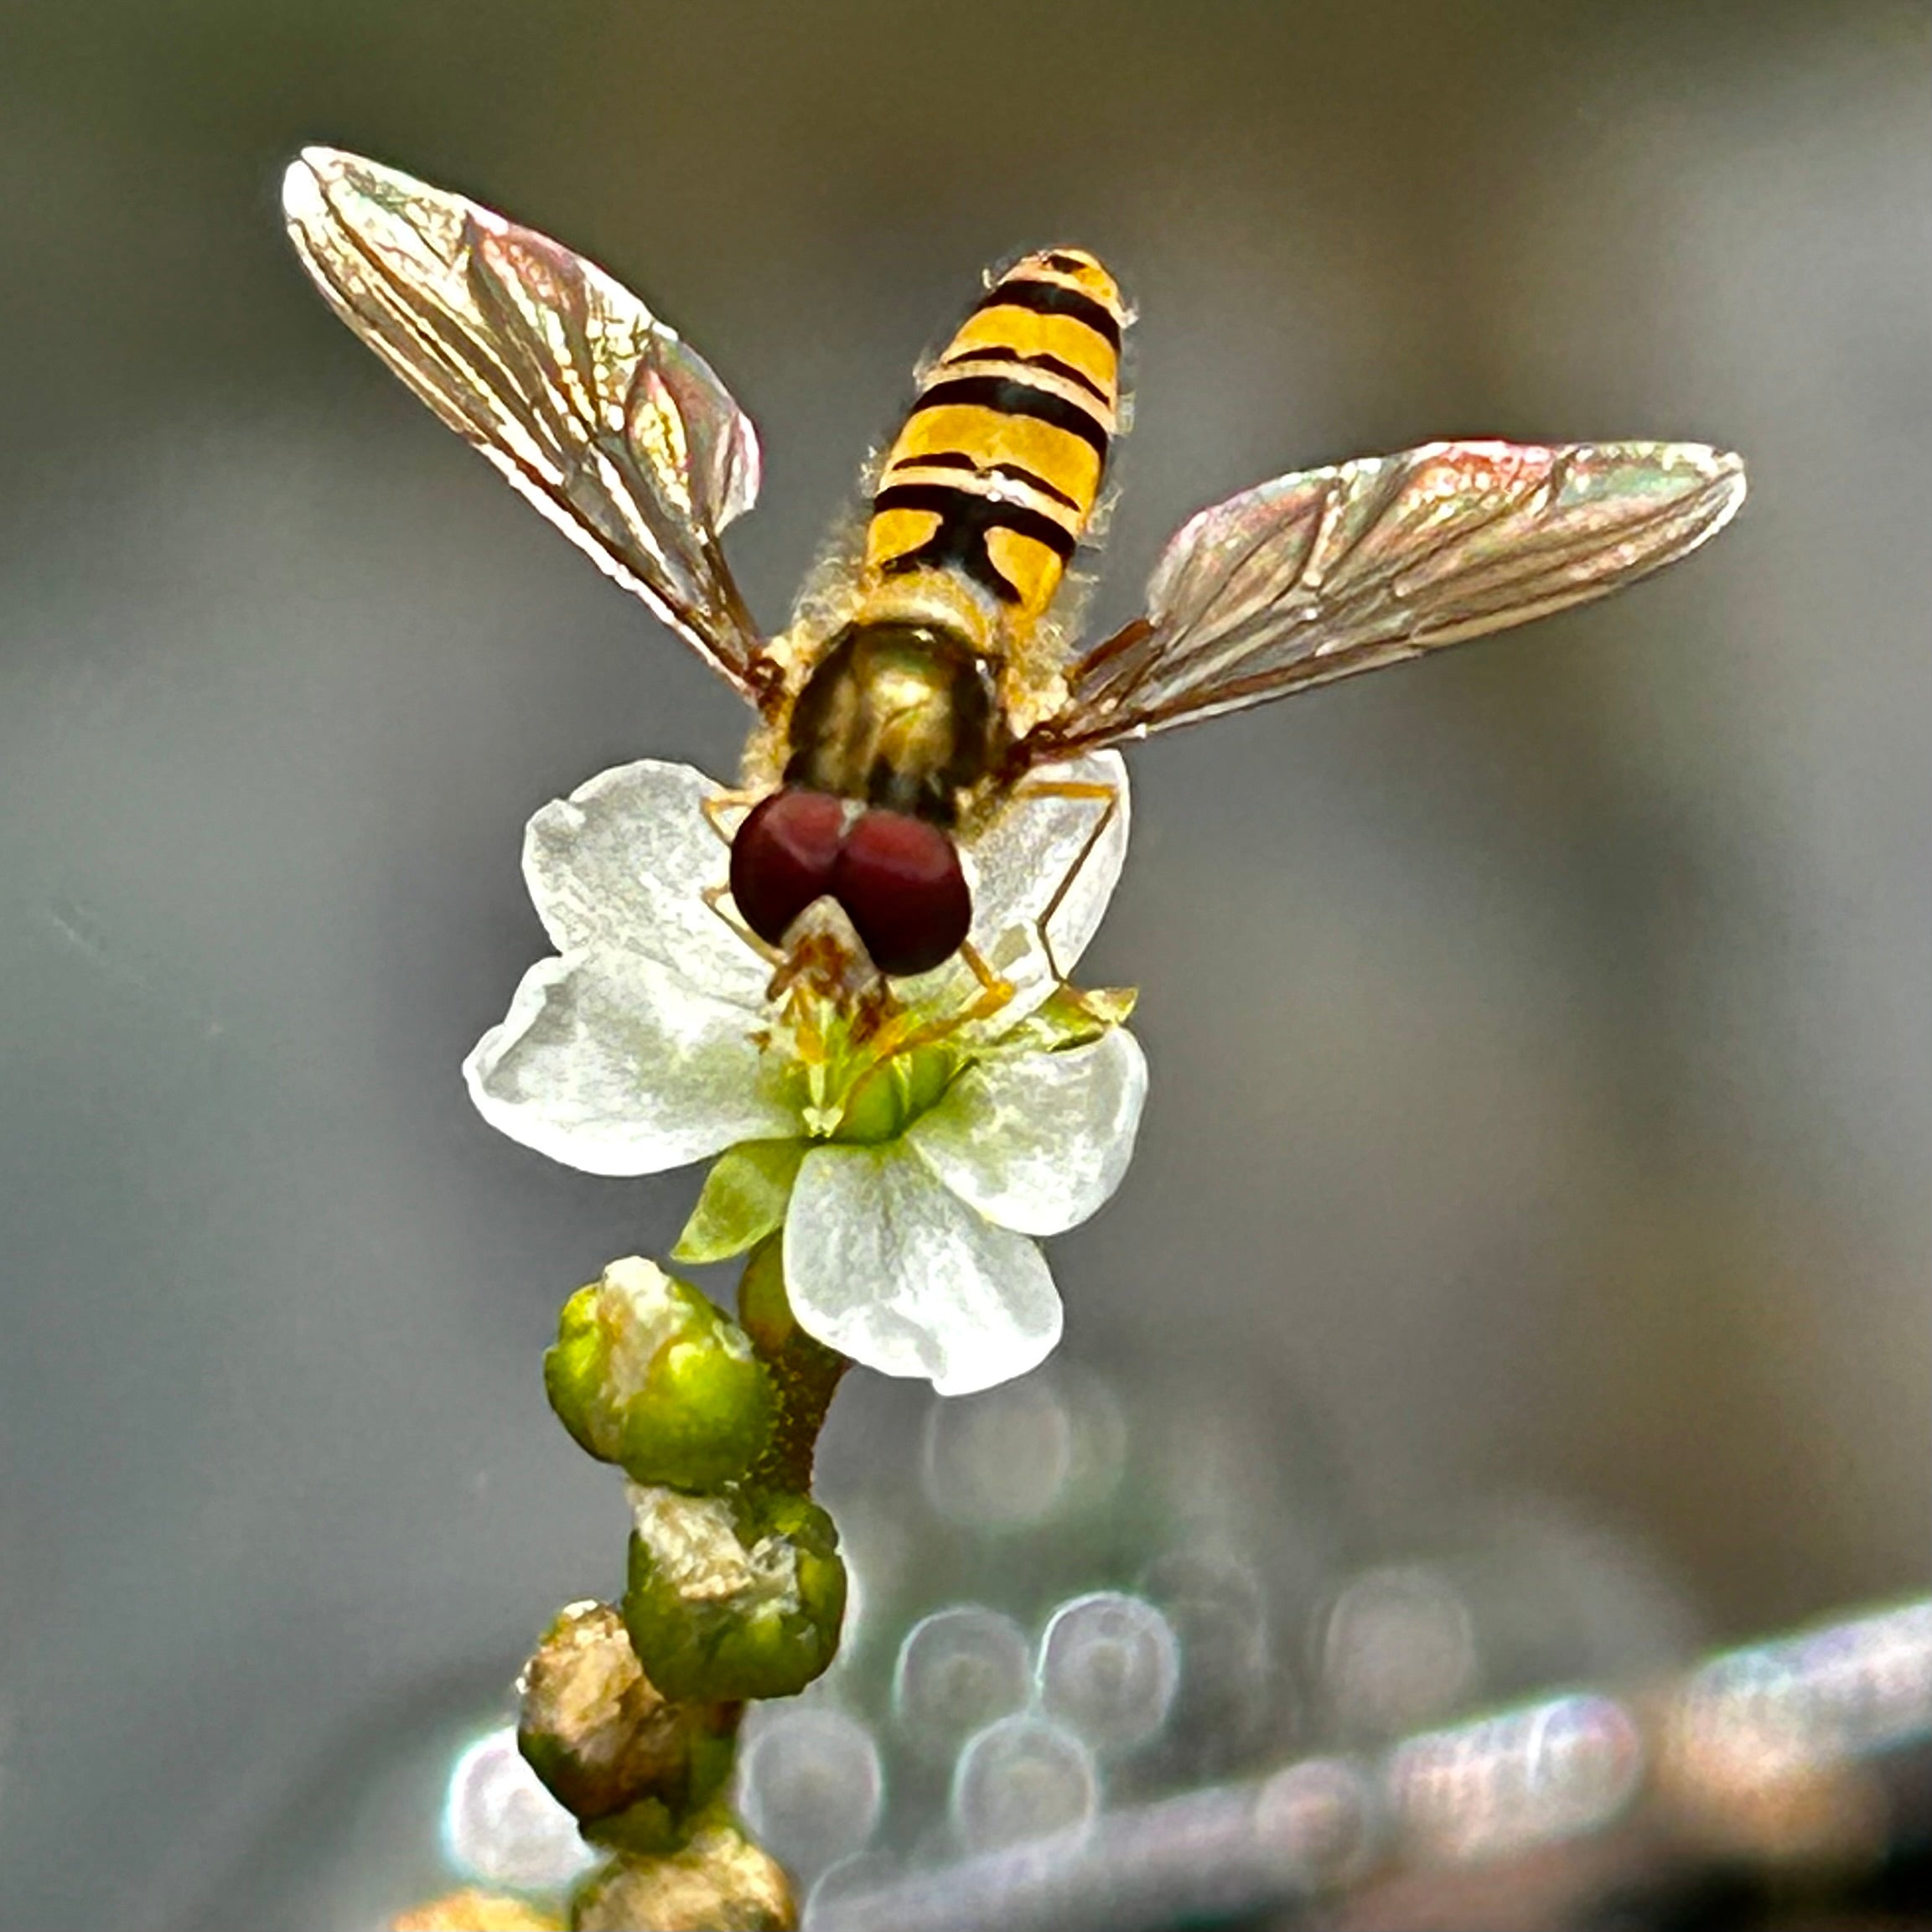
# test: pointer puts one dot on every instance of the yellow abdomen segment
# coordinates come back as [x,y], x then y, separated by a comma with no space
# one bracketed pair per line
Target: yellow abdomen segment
[995,474]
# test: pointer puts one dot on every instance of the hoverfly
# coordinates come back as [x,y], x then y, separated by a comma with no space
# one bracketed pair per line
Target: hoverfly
[924,685]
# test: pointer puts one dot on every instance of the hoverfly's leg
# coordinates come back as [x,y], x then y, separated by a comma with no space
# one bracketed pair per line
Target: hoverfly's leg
[714,897]
[1074,788]
[993,994]
[994,991]
[720,802]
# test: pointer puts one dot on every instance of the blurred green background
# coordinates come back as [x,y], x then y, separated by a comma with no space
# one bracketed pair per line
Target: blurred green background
[1541,1035]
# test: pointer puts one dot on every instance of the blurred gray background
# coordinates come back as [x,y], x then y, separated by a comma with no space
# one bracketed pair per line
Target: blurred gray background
[1541,1035]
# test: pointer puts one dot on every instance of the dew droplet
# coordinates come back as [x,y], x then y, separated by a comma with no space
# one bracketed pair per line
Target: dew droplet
[1233,1692]
[1109,1665]
[851,1878]
[959,1670]
[1049,1446]
[811,1788]
[1022,1778]
[500,1824]
[1398,1651]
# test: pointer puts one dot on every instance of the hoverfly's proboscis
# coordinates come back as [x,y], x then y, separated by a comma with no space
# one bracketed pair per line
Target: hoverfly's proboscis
[908,710]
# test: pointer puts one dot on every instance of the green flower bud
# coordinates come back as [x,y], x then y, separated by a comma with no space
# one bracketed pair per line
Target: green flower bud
[647,1374]
[628,1764]
[734,1595]
[743,1200]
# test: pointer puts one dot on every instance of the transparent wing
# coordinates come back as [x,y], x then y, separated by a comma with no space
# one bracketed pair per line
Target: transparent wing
[589,406]
[1319,575]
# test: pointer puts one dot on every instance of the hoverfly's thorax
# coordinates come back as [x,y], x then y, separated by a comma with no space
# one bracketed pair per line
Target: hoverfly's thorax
[896,714]
[994,476]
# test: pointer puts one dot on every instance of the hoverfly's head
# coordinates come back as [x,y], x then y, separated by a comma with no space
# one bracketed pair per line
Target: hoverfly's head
[897,877]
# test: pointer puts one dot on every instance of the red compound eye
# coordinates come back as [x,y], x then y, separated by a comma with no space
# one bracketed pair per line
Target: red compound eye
[899,880]
[782,858]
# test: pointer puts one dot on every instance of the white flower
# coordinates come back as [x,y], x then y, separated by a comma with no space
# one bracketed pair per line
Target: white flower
[939,1134]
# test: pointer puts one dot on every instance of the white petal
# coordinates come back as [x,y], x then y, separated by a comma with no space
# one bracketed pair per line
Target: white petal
[1037,1141]
[622,865]
[621,1069]
[1021,859]
[886,1266]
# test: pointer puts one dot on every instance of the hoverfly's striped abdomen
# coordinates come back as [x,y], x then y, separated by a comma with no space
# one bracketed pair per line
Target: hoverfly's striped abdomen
[995,474]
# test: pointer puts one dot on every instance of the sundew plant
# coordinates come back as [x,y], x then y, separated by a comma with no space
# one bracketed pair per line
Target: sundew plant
[846,979]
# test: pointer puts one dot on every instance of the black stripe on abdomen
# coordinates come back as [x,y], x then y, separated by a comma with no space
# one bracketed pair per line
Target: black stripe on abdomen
[1005,397]
[1054,298]
[1014,472]
[1051,365]
[959,542]
[1019,473]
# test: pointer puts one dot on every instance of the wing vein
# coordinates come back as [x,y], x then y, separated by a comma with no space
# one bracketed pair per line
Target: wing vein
[1317,576]
[591,408]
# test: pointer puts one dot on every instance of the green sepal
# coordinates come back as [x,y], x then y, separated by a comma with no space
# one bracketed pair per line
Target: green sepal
[743,1200]
[731,1596]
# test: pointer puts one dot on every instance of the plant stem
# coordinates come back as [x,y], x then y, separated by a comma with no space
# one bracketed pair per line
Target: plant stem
[804,1372]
